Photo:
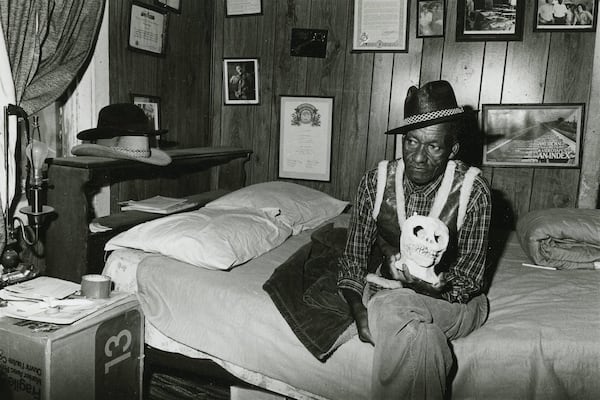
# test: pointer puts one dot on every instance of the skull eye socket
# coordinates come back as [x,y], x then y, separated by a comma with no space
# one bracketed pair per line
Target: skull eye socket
[418,231]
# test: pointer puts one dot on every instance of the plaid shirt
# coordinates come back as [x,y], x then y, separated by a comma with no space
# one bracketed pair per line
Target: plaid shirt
[465,276]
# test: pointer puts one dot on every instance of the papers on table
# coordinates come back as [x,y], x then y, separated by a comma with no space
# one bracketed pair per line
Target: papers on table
[159,205]
[52,300]
[40,288]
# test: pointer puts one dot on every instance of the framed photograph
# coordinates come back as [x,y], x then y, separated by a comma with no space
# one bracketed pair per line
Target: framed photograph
[235,8]
[151,107]
[147,28]
[532,135]
[488,20]
[380,25]
[171,5]
[240,80]
[305,127]
[566,15]
[431,15]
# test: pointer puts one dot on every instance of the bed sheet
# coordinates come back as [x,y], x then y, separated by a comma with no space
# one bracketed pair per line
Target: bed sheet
[540,341]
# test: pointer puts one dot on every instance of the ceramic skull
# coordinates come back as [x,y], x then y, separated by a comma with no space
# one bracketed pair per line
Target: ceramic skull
[423,241]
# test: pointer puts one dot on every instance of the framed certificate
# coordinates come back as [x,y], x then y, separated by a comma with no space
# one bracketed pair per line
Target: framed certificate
[305,137]
[234,8]
[380,25]
[147,28]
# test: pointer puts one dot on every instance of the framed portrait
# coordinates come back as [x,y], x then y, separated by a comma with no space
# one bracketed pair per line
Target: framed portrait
[171,5]
[479,20]
[566,15]
[380,25]
[532,135]
[431,16]
[147,28]
[241,81]
[305,128]
[236,8]
[151,107]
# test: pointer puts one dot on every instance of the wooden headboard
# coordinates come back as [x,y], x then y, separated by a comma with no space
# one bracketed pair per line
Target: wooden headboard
[71,249]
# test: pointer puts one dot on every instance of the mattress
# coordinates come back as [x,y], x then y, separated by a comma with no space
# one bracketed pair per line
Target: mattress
[540,340]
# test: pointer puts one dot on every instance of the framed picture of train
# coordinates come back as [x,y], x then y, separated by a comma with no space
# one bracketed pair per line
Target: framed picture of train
[532,135]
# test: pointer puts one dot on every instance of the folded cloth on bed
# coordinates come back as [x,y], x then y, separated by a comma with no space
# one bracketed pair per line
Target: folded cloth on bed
[304,290]
[564,238]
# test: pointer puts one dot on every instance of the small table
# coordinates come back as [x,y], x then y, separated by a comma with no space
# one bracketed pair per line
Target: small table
[97,358]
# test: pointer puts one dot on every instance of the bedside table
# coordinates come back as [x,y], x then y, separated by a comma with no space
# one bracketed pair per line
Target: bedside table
[97,358]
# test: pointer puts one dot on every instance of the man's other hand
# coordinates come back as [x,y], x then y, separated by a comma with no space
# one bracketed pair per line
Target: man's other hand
[359,312]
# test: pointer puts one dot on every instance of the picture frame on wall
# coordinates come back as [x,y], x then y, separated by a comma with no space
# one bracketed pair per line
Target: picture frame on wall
[532,135]
[305,130]
[171,5]
[566,16]
[380,26]
[151,107]
[431,17]
[490,20]
[236,8]
[241,81]
[147,28]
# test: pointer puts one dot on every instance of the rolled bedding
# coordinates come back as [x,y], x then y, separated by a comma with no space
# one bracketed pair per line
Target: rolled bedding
[564,238]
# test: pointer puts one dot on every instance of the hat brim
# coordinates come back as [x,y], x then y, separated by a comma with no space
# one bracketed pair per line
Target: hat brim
[110,132]
[405,127]
[157,157]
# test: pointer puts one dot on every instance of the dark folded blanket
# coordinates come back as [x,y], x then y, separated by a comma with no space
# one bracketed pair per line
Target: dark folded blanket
[564,238]
[304,291]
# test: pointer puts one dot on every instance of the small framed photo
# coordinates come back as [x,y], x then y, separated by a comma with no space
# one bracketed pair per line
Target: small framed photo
[236,8]
[305,129]
[532,135]
[241,81]
[490,20]
[147,28]
[151,107]
[380,25]
[431,15]
[566,15]
[171,5]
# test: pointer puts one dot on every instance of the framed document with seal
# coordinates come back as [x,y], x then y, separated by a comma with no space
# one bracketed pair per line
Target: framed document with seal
[380,25]
[305,138]
[147,28]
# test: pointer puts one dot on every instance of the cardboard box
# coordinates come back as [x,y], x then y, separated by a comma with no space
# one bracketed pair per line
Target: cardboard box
[99,358]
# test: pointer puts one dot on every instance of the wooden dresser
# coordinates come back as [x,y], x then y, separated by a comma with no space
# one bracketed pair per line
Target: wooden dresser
[71,249]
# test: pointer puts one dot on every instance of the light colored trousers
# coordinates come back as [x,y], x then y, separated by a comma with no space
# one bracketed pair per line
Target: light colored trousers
[411,331]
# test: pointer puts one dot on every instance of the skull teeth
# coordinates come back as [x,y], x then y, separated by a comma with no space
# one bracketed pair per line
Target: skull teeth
[422,250]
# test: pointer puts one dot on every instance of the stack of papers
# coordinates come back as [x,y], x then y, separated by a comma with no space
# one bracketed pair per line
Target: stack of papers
[52,300]
[159,205]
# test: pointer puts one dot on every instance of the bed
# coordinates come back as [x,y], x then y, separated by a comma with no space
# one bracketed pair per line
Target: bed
[541,340]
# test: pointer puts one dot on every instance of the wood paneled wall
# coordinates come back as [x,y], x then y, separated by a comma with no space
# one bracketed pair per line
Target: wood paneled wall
[181,79]
[369,90]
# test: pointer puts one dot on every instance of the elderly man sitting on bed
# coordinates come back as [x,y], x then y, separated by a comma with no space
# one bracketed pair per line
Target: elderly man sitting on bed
[410,316]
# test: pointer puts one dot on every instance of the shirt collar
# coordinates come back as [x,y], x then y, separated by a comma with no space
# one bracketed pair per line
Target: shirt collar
[427,190]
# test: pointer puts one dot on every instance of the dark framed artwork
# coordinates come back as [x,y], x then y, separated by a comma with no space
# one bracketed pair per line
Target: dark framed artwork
[151,107]
[431,17]
[532,135]
[566,16]
[305,129]
[380,26]
[241,81]
[147,28]
[171,5]
[236,8]
[488,20]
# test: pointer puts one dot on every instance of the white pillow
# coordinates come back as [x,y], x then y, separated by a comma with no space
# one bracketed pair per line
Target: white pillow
[301,207]
[209,238]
